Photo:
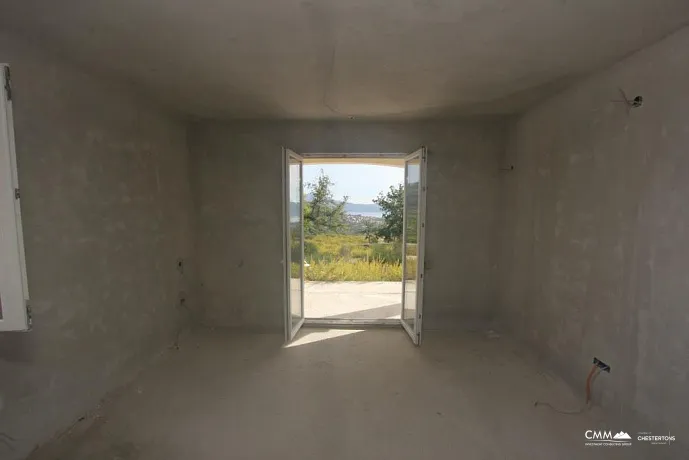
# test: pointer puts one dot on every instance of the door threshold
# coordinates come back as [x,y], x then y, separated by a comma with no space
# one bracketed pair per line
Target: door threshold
[349,323]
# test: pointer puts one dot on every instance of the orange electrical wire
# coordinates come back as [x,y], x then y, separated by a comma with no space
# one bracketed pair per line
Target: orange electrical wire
[588,383]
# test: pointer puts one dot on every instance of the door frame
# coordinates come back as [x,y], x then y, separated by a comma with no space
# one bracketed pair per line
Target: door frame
[337,322]
[14,299]
[287,154]
[415,334]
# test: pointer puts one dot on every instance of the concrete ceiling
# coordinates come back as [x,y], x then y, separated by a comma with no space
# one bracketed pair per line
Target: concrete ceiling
[340,58]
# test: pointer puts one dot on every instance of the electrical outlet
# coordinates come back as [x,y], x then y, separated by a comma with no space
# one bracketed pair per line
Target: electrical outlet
[601,365]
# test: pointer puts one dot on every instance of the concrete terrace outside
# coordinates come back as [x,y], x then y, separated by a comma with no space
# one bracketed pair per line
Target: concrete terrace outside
[353,300]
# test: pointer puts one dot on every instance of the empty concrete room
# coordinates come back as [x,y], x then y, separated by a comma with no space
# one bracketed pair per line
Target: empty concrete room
[182,278]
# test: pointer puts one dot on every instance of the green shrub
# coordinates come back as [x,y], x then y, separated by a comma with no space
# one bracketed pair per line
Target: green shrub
[361,252]
[295,250]
[310,250]
[294,270]
[390,253]
[345,251]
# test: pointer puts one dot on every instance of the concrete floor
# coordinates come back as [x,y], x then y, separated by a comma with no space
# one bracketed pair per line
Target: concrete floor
[352,300]
[337,394]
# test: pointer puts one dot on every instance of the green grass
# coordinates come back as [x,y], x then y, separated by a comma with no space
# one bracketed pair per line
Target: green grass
[352,258]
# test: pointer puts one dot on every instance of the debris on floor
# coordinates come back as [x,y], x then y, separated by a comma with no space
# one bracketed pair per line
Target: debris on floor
[492,335]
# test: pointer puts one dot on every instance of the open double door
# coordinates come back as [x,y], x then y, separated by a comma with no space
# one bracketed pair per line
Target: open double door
[412,242]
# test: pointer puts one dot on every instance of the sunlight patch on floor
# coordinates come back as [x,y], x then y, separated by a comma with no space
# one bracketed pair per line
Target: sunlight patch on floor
[316,336]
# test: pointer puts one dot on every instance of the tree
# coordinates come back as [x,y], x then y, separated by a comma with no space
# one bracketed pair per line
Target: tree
[392,204]
[322,214]
[370,231]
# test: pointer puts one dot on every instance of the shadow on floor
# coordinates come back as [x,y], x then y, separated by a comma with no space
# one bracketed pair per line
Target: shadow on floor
[386,311]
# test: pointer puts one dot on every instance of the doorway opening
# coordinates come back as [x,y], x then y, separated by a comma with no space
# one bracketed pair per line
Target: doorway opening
[354,227]
[353,214]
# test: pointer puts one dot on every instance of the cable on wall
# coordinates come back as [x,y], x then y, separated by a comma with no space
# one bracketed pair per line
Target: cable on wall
[598,367]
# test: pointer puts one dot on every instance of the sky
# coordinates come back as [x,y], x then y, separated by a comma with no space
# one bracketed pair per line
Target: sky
[361,183]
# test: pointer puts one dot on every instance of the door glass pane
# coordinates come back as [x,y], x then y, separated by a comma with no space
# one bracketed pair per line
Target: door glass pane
[412,188]
[296,242]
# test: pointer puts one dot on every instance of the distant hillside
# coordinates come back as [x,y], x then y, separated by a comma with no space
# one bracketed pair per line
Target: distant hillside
[356,223]
[353,208]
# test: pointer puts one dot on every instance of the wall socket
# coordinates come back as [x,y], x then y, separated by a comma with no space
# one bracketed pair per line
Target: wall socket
[601,365]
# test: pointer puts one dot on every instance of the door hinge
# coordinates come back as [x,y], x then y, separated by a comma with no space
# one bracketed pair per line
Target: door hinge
[17,195]
[8,84]
[29,316]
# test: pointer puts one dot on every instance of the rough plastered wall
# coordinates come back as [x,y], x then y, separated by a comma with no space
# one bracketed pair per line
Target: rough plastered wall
[106,208]
[239,199]
[595,248]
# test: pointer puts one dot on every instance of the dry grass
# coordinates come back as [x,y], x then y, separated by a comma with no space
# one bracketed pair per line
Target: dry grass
[352,258]
[353,270]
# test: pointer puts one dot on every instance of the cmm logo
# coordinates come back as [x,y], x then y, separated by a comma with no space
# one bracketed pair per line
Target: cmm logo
[606,438]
